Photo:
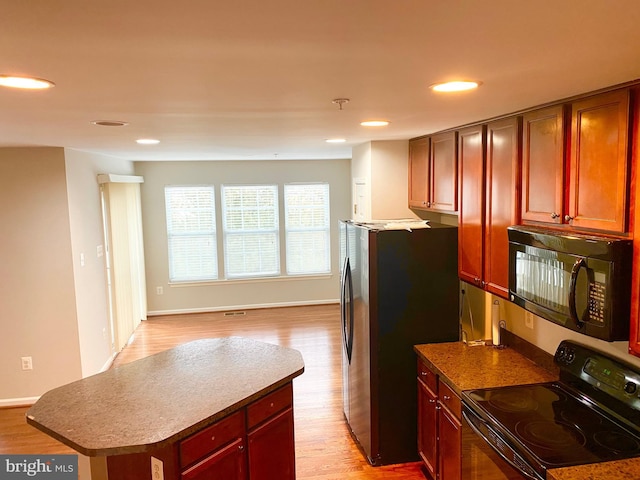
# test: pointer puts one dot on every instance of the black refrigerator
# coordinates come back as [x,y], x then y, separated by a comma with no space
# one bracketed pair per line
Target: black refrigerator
[399,288]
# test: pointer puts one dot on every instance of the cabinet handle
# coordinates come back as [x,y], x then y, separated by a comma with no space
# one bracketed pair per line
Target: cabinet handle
[240,447]
[428,204]
[446,398]
[568,218]
[424,374]
[554,215]
[431,400]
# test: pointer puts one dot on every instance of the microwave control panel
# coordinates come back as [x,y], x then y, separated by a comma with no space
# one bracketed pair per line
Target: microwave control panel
[597,297]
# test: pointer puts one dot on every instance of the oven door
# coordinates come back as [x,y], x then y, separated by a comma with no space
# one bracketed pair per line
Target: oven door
[486,456]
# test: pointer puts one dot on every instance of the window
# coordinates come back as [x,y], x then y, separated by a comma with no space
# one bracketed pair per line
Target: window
[307,230]
[251,230]
[191,233]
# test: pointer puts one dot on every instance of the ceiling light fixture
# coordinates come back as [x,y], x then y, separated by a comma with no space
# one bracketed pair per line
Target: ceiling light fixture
[455,86]
[109,123]
[374,123]
[335,140]
[147,141]
[29,83]
[340,101]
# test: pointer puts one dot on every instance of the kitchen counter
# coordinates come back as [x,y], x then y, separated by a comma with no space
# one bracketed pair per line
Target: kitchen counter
[466,368]
[618,470]
[158,400]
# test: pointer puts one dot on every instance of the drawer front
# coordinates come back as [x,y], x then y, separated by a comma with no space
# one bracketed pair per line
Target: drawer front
[427,376]
[211,438]
[273,403]
[449,399]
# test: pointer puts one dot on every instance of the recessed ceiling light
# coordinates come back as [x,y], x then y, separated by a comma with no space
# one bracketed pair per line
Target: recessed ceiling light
[109,123]
[30,83]
[335,140]
[374,123]
[455,86]
[147,141]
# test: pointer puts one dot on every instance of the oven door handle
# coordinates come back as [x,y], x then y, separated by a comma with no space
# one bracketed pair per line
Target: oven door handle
[580,263]
[471,424]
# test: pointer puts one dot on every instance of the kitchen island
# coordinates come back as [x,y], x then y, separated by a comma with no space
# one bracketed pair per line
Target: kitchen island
[214,405]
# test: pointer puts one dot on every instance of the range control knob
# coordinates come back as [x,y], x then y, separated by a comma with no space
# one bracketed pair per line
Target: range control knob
[630,387]
[565,355]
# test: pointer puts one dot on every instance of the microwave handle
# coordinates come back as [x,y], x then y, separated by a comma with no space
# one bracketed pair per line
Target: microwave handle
[572,290]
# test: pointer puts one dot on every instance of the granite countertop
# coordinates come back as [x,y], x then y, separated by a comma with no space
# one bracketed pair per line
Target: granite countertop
[618,470]
[466,368]
[160,399]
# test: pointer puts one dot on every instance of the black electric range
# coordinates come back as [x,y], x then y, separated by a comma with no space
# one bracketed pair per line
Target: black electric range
[592,414]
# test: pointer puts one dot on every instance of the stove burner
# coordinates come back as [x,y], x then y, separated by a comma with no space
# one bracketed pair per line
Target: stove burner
[513,401]
[581,416]
[618,441]
[549,435]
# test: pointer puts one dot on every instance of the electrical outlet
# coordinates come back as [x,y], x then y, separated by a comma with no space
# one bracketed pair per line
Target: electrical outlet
[27,363]
[159,291]
[157,472]
[528,320]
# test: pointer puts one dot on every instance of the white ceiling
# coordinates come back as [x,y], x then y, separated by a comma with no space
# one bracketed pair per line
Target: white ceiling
[255,79]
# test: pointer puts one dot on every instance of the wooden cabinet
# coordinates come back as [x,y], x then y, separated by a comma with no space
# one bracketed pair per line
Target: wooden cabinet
[253,443]
[270,438]
[502,200]
[427,419]
[419,172]
[433,183]
[471,160]
[598,176]
[439,426]
[543,165]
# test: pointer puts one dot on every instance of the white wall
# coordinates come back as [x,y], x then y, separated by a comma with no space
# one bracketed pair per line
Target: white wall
[37,293]
[85,217]
[384,165]
[223,294]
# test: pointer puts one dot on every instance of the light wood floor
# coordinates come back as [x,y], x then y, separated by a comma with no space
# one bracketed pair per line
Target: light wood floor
[324,448]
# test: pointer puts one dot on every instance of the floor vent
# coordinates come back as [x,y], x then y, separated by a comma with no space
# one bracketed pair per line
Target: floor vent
[233,314]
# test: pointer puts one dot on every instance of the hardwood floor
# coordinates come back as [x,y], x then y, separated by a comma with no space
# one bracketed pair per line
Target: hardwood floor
[324,448]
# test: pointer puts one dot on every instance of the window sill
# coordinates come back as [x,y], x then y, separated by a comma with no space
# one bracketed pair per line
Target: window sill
[239,281]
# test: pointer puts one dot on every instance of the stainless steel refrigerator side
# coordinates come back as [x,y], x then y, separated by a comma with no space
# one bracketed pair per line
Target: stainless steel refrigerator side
[344,257]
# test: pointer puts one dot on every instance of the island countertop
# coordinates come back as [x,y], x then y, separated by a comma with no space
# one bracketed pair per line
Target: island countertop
[160,399]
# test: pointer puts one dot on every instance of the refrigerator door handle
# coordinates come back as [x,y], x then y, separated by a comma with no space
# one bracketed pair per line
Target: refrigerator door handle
[347,309]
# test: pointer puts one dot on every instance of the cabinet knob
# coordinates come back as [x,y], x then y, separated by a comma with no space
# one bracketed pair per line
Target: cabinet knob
[431,400]
[554,215]
[446,398]
[240,447]
[568,218]
[424,374]
[428,204]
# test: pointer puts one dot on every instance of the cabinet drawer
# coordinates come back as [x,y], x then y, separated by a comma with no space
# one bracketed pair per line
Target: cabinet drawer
[427,376]
[449,399]
[264,408]
[211,438]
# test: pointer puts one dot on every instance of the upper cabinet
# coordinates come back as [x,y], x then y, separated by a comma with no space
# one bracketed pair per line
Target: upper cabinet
[598,175]
[418,172]
[471,157]
[502,200]
[433,182]
[543,165]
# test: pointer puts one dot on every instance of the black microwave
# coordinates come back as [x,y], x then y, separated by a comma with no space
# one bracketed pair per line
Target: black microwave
[581,282]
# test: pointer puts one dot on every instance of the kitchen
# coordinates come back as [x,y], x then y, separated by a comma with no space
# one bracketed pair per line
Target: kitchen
[78,360]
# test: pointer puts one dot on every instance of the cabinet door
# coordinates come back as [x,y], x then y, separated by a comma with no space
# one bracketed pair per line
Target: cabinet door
[427,428]
[418,172]
[450,460]
[471,150]
[599,162]
[272,450]
[227,463]
[543,165]
[443,181]
[502,202]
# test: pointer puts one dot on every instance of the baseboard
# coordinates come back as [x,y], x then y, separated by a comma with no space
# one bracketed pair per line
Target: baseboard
[108,363]
[228,308]
[17,402]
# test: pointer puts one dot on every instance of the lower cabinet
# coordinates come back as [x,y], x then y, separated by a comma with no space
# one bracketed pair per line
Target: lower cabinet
[253,443]
[439,426]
